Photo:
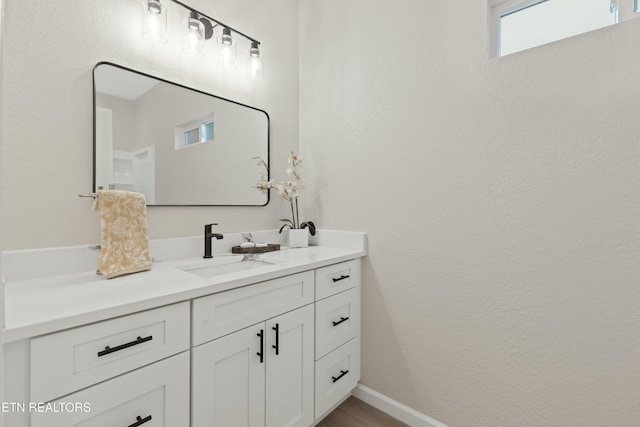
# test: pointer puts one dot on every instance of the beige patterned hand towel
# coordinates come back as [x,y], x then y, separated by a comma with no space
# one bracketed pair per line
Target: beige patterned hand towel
[125,239]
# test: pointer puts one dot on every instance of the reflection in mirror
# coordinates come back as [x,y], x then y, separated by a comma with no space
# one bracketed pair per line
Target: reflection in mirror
[176,145]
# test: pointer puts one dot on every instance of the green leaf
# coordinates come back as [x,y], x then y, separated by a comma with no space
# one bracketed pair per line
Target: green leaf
[288,221]
[311,226]
[283,227]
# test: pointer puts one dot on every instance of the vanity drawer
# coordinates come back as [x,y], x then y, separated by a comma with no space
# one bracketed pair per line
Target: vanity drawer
[220,314]
[337,374]
[337,320]
[158,393]
[76,358]
[336,278]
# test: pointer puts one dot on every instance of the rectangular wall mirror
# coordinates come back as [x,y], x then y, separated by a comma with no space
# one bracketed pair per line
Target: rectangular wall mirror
[178,146]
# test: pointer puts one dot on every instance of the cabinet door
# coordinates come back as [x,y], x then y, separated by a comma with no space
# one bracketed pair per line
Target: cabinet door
[337,374]
[77,358]
[290,369]
[228,380]
[337,321]
[154,396]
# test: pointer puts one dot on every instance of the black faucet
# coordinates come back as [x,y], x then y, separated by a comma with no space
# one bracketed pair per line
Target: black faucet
[208,235]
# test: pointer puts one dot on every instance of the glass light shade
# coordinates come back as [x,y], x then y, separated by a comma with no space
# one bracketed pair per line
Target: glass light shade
[194,37]
[255,62]
[228,49]
[154,21]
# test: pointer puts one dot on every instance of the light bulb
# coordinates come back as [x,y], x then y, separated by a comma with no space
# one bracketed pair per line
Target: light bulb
[228,48]
[154,21]
[194,38]
[255,62]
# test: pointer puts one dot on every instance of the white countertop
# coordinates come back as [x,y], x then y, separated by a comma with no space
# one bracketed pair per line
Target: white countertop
[39,306]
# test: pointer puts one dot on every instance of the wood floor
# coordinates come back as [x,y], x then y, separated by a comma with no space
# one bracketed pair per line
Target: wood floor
[355,413]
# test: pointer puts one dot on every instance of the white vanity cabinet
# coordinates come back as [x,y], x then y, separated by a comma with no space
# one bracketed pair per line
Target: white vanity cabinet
[261,375]
[289,369]
[277,348]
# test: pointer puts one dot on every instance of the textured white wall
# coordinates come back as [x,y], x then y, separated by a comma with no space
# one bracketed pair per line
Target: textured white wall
[1,226]
[502,203]
[50,50]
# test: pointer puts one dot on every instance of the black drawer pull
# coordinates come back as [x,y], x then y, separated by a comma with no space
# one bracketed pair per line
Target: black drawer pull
[261,352]
[139,340]
[342,374]
[140,421]
[342,319]
[340,278]
[277,345]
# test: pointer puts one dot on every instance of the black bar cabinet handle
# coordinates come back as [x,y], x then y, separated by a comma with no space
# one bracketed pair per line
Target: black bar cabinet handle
[342,319]
[340,278]
[140,421]
[277,345]
[342,374]
[261,353]
[109,350]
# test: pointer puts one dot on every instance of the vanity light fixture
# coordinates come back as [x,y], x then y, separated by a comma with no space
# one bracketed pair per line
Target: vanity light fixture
[255,62]
[194,38]
[198,28]
[228,48]
[154,21]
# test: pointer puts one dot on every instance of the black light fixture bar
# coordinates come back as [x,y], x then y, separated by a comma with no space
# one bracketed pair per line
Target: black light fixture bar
[222,24]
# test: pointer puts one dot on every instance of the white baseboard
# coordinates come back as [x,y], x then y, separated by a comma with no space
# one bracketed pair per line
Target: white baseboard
[395,409]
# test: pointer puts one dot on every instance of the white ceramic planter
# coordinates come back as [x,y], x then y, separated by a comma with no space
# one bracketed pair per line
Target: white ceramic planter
[298,238]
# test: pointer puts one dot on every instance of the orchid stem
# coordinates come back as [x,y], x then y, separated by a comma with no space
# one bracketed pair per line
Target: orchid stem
[293,215]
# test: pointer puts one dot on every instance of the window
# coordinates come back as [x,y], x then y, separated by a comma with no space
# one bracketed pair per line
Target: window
[195,131]
[191,136]
[206,130]
[522,24]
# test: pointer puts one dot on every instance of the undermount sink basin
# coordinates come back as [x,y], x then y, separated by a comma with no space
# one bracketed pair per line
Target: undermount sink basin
[217,266]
